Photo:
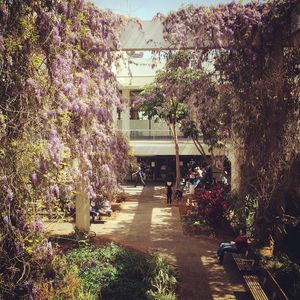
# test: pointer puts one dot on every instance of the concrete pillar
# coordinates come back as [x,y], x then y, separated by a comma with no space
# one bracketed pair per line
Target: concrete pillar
[126,112]
[82,202]
[82,208]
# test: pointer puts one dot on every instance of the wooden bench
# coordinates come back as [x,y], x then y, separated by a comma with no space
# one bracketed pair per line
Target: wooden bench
[248,266]
[260,282]
[272,286]
[244,264]
[255,287]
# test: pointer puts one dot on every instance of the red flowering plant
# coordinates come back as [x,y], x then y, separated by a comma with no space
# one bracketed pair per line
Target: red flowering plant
[213,206]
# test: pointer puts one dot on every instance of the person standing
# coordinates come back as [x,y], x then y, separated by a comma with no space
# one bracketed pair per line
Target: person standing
[139,176]
[169,191]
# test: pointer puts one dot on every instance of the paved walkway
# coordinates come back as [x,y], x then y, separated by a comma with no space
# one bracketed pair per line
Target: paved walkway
[147,224]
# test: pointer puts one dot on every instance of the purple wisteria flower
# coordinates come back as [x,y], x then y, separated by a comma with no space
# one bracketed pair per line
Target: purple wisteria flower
[68,88]
[50,249]
[3,11]
[39,226]
[9,195]
[34,179]
[5,220]
[43,166]
[105,169]
[76,106]
[36,226]
[31,82]
[55,146]
[3,179]
[55,190]
[19,249]
[1,41]
[62,8]
[79,4]
[82,89]
[56,36]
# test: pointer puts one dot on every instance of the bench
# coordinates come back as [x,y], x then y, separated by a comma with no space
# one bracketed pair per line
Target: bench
[272,286]
[244,264]
[255,287]
[248,266]
[260,282]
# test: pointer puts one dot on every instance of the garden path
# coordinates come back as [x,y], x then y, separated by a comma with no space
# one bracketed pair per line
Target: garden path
[147,224]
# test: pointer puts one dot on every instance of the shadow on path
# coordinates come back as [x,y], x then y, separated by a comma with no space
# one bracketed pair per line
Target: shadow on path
[147,224]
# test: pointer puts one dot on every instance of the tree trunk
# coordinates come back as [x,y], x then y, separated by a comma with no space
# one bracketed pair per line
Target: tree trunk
[212,160]
[174,132]
[269,198]
[199,147]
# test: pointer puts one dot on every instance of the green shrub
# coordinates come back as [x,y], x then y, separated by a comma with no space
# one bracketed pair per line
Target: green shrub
[161,296]
[125,288]
[195,224]
[82,256]
[286,273]
[115,273]
[162,278]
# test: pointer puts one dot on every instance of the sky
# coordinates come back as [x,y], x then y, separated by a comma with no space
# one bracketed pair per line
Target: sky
[147,9]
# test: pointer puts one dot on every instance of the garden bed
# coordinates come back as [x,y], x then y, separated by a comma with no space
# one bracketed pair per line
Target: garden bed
[107,271]
[192,225]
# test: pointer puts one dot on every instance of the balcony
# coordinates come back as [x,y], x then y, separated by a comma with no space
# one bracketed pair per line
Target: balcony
[147,130]
[150,135]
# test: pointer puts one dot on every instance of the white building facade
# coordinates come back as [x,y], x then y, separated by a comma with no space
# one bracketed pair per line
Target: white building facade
[151,142]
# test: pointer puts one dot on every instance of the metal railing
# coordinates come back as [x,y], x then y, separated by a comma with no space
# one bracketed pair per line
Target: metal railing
[147,134]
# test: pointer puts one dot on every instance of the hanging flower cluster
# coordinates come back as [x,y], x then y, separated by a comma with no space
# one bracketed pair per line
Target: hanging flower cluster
[57,95]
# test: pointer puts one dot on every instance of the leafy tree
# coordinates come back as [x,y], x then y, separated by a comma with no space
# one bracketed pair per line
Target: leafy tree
[166,98]
[187,94]
[204,122]
[258,71]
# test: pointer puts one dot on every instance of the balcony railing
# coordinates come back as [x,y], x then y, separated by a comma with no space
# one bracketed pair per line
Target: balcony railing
[157,135]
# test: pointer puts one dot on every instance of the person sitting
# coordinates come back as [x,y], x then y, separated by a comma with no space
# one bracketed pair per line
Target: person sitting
[93,211]
[239,245]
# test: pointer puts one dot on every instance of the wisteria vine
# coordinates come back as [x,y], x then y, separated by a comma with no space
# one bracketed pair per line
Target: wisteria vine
[57,94]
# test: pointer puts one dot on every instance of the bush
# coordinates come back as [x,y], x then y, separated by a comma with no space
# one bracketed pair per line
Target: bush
[111,272]
[162,279]
[195,224]
[286,273]
[212,205]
